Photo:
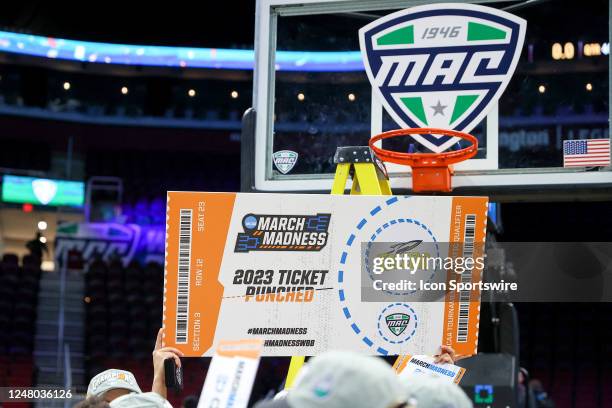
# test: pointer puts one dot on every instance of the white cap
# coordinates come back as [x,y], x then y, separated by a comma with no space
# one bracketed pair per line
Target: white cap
[111,379]
[343,379]
[144,400]
[428,391]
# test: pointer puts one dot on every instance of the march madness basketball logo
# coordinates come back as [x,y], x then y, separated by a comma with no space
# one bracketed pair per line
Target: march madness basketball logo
[283,233]
[441,66]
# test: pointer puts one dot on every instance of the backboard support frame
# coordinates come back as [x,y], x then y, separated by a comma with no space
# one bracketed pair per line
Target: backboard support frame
[477,177]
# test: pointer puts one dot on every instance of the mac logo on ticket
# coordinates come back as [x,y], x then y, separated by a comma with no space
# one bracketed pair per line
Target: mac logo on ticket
[268,232]
[397,322]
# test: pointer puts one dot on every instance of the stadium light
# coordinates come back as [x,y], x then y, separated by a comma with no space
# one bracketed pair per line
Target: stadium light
[234,94]
[124,90]
[351,97]
[66,86]
[300,97]
[191,93]
[541,89]
[42,225]
[589,86]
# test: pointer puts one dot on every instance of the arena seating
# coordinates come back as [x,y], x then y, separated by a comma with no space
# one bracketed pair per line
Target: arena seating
[150,175]
[123,316]
[18,300]
[25,155]
[575,371]
[124,312]
[99,96]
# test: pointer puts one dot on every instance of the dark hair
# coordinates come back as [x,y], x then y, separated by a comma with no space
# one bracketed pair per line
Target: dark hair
[93,402]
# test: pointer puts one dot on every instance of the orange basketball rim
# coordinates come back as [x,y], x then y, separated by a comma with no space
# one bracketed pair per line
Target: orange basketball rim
[431,172]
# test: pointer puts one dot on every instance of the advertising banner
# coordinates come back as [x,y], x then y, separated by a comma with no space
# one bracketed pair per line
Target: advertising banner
[127,242]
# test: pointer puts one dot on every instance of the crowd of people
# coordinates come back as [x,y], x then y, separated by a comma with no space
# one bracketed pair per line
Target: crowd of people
[345,379]
[334,379]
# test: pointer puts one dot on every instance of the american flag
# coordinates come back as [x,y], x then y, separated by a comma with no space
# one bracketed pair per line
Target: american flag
[589,153]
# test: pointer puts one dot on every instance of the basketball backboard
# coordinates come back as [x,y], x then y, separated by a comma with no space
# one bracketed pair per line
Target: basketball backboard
[313,92]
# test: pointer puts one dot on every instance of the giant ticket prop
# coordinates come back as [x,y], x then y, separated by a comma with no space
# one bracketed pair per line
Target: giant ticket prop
[286,268]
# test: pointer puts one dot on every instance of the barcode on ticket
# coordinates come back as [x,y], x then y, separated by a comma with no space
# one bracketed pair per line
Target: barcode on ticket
[184,268]
[466,277]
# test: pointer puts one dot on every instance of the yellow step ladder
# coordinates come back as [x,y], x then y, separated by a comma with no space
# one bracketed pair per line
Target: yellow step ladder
[367,171]
[369,177]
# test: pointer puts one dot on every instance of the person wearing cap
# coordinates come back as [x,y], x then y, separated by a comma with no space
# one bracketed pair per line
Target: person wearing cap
[428,391]
[113,383]
[342,379]
[132,400]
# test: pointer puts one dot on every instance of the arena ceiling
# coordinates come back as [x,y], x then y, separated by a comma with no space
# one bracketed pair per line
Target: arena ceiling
[227,24]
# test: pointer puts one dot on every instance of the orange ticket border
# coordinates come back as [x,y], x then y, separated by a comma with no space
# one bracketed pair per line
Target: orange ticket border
[211,217]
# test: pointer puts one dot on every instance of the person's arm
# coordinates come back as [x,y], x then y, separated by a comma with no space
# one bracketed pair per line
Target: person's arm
[159,355]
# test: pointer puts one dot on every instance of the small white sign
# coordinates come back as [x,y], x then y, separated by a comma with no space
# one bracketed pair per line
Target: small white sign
[408,366]
[231,374]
